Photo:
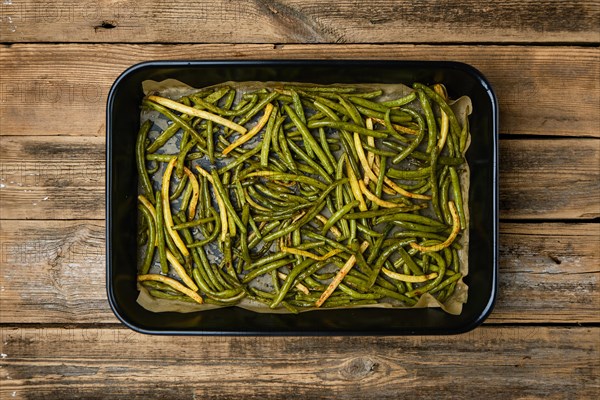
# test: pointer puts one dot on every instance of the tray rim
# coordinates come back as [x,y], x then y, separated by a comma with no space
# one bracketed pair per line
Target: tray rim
[472,324]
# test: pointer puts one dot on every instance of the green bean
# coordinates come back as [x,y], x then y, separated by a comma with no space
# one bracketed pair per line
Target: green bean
[151,239]
[267,260]
[347,303]
[226,201]
[369,104]
[203,104]
[419,234]
[231,224]
[345,138]
[374,250]
[390,127]
[429,286]
[181,185]
[400,118]
[347,126]
[181,158]
[159,294]
[442,160]
[357,295]
[217,94]
[309,140]
[423,189]
[413,145]
[305,157]
[444,201]
[193,223]
[270,203]
[464,134]
[284,152]
[457,194]
[380,180]
[454,126]
[172,247]
[160,235]
[164,137]
[214,233]
[409,262]
[449,281]
[417,227]
[400,210]
[258,107]
[455,261]
[380,290]
[447,255]
[435,201]
[244,236]
[338,215]
[268,228]
[286,197]
[298,108]
[408,174]
[240,160]
[326,147]
[400,101]
[319,204]
[290,280]
[370,233]
[321,89]
[141,160]
[176,119]
[153,170]
[379,152]
[289,177]
[264,152]
[380,261]
[229,99]
[352,111]
[210,141]
[159,286]
[430,118]
[221,295]
[265,268]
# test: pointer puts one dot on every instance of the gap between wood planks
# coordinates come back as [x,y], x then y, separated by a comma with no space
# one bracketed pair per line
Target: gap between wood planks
[541,90]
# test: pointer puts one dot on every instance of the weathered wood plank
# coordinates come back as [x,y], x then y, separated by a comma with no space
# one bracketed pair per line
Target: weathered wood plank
[53,272]
[299,21]
[563,173]
[61,89]
[57,177]
[63,178]
[546,269]
[535,362]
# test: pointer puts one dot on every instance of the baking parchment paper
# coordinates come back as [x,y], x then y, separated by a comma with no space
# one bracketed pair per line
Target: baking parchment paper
[175,89]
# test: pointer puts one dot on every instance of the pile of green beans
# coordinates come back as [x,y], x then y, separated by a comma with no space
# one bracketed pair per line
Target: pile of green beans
[314,196]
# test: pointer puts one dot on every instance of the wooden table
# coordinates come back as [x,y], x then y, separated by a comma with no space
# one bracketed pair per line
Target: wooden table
[59,337]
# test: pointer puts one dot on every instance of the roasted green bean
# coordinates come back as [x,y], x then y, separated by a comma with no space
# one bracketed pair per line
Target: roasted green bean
[322,196]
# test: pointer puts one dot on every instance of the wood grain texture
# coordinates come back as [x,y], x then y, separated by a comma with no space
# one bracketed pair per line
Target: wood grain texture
[60,340]
[546,269]
[63,178]
[565,173]
[300,21]
[53,272]
[94,363]
[62,89]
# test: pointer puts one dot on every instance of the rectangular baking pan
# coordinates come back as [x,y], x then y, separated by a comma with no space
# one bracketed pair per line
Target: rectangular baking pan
[122,125]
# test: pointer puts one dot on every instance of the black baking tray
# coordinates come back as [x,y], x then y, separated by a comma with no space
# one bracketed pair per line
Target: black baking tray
[122,124]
